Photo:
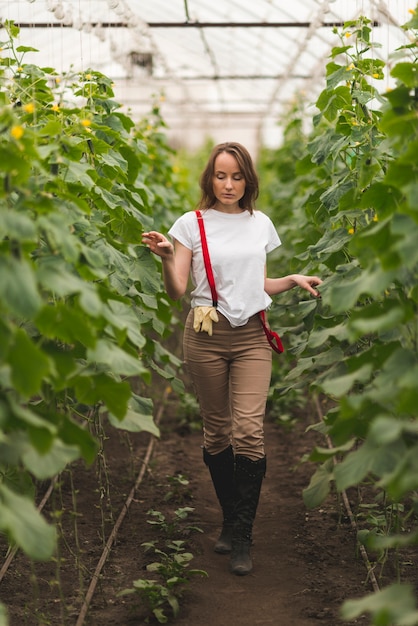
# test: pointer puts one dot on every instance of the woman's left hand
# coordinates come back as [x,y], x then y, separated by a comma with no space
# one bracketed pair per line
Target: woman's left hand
[308,282]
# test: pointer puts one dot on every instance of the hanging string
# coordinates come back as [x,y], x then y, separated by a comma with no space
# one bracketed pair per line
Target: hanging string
[315,24]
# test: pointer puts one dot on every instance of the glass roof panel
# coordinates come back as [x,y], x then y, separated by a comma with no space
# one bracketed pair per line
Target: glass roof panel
[224,66]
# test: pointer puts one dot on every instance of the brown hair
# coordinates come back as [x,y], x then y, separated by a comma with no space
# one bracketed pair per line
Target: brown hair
[247,169]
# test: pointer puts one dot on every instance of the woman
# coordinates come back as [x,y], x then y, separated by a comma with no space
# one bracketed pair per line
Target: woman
[225,350]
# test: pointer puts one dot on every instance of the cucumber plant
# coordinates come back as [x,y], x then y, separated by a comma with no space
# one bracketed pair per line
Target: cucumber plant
[82,309]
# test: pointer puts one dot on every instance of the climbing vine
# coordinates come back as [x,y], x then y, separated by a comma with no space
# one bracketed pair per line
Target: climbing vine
[347,195]
[80,298]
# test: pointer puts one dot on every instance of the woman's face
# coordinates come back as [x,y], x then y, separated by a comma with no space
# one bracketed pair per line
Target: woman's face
[228,183]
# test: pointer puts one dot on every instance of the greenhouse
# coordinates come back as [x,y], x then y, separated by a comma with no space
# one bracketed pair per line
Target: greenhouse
[173,173]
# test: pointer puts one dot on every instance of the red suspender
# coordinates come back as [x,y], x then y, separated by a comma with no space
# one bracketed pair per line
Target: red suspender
[206,259]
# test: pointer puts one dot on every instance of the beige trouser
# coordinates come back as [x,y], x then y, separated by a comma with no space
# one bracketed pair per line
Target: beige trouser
[231,373]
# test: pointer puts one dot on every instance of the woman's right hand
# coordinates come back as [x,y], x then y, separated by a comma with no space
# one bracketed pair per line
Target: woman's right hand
[158,243]
[175,266]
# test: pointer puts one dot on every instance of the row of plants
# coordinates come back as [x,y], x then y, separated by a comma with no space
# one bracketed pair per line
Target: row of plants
[82,311]
[344,197]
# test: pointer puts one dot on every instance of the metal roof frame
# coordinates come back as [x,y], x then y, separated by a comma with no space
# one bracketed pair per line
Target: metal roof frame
[210,58]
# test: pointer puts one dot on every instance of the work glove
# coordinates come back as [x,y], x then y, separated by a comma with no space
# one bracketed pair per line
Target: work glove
[203,318]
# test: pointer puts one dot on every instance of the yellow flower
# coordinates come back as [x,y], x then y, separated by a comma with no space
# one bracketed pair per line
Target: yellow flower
[375,75]
[350,67]
[16,132]
[411,11]
[86,123]
[89,76]
[348,34]
[351,231]
[375,218]
[29,107]
[55,107]
[57,80]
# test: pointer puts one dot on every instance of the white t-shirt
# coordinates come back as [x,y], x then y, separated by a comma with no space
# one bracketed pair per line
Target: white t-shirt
[238,244]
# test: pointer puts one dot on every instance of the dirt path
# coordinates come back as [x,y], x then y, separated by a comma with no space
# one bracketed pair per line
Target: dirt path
[305,564]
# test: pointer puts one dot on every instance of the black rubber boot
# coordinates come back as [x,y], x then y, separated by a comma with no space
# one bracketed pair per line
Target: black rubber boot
[248,480]
[222,468]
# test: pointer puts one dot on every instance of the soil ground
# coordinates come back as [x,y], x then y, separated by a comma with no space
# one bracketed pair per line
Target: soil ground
[305,562]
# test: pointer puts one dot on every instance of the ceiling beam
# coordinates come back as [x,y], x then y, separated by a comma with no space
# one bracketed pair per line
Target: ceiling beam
[212,77]
[189,24]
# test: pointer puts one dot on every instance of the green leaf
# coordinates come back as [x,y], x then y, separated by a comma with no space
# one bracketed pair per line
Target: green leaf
[29,365]
[16,226]
[404,476]
[126,226]
[54,275]
[342,293]
[135,423]
[318,337]
[18,288]
[319,486]
[320,454]
[116,359]
[69,324]
[102,388]
[114,259]
[335,192]
[337,50]
[124,316]
[52,462]
[28,418]
[341,385]
[138,417]
[407,73]
[337,74]
[385,430]
[57,229]
[5,338]
[24,525]
[145,271]
[378,317]
[52,128]
[353,469]
[4,621]
[393,605]
[331,102]
[324,145]
[79,173]
[323,359]
[383,198]
[331,242]
[26,49]
[396,376]
[74,434]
